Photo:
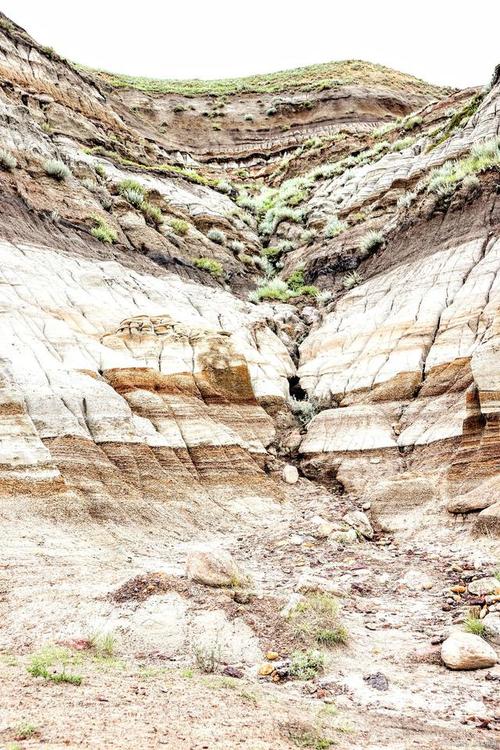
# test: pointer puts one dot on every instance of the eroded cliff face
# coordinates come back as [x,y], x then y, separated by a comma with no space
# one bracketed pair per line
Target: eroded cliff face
[147,405]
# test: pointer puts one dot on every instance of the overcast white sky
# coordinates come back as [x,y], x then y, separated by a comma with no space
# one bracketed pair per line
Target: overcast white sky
[452,42]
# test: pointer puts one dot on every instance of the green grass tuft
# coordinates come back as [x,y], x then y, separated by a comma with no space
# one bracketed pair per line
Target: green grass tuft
[213,267]
[102,231]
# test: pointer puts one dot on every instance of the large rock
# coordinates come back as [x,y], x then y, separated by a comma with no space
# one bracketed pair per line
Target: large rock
[492,628]
[213,568]
[483,586]
[359,521]
[467,651]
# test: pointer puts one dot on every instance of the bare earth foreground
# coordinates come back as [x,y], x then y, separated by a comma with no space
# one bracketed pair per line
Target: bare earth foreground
[249,409]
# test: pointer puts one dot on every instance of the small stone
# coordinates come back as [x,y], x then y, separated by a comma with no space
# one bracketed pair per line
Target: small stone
[290,474]
[366,506]
[467,651]
[232,672]
[378,681]
[459,589]
[344,537]
[324,530]
[483,586]
[359,521]
[272,655]
[266,669]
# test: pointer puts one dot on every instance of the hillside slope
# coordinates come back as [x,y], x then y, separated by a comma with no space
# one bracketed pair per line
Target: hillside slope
[274,333]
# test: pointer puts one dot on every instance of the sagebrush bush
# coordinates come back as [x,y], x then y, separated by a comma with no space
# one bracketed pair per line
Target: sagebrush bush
[316,619]
[412,121]
[334,227]
[223,186]
[236,246]
[248,117]
[405,200]
[215,235]
[385,128]
[179,226]
[152,213]
[102,231]
[207,657]
[403,143]
[7,161]
[275,289]
[213,267]
[352,279]
[483,156]
[305,665]
[132,191]
[303,410]
[56,169]
[134,197]
[371,241]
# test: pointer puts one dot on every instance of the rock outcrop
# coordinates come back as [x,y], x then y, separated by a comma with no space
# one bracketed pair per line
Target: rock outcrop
[258,316]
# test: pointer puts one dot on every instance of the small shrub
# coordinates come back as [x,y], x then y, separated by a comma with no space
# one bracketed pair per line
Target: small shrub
[323,298]
[99,169]
[387,127]
[337,636]
[134,197]
[247,260]
[102,231]
[179,108]
[248,117]
[352,279]
[370,242]
[334,227]
[56,169]
[474,625]
[125,185]
[411,122]
[213,267]
[405,200]
[402,144]
[296,280]
[304,665]
[216,126]
[152,213]
[215,235]
[270,111]
[471,182]
[236,246]
[207,657]
[303,410]
[103,643]
[316,619]
[309,290]
[223,186]
[7,161]
[89,184]
[25,730]
[276,289]
[179,226]
[6,25]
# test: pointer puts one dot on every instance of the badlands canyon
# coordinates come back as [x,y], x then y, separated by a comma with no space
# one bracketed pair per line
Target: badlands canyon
[250,409]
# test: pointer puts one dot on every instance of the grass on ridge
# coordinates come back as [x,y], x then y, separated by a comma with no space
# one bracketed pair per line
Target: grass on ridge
[310,78]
